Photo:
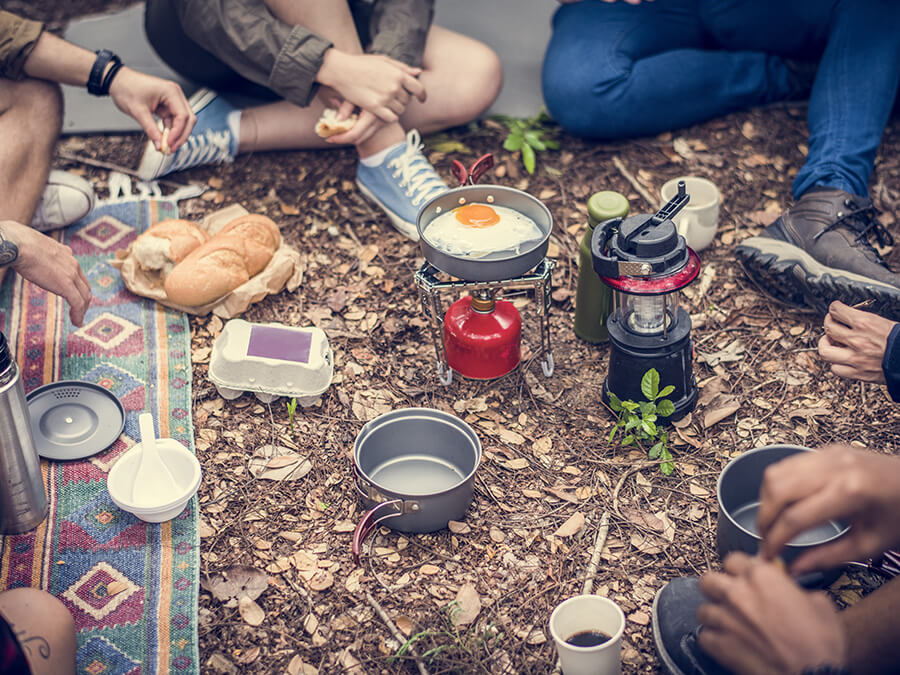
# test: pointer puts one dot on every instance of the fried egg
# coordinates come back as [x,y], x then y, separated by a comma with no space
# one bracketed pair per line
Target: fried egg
[476,230]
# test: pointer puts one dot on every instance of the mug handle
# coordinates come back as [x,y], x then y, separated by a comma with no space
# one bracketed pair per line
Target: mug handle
[684,222]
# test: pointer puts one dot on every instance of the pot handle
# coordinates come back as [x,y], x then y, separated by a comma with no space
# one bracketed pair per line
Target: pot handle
[370,521]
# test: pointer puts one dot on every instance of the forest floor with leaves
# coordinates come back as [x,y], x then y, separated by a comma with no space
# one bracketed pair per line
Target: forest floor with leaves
[549,479]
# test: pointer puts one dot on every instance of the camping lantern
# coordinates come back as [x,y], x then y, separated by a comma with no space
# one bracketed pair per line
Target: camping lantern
[646,262]
[482,336]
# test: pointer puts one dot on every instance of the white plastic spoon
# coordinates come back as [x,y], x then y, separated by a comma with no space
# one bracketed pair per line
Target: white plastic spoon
[153,482]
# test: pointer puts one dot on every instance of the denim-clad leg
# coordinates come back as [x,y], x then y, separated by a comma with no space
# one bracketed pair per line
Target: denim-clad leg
[615,70]
[852,96]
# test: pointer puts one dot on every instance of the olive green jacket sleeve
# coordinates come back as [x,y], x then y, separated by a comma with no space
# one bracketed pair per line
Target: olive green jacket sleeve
[248,38]
[17,38]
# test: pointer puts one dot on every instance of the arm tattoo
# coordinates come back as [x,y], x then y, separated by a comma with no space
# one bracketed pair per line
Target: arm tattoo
[25,641]
[9,252]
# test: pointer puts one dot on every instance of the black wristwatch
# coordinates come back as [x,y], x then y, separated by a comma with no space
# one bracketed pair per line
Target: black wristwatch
[98,83]
[9,252]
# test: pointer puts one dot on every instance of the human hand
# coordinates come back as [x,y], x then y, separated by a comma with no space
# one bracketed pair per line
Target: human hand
[839,482]
[374,82]
[142,96]
[49,264]
[854,342]
[758,620]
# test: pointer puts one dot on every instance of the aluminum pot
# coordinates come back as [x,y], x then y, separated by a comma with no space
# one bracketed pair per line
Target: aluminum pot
[495,266]
[738,490]
[414,469]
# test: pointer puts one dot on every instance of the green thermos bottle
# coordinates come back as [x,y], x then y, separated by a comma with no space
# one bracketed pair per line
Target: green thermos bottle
[593,298]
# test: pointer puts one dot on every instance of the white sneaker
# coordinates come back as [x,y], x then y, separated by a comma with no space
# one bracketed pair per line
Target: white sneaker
[66,198]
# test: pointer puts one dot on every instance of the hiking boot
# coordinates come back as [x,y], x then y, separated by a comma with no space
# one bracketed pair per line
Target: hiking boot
[675,630]
[401,184]
[66,198]
[212,141]
[819,251]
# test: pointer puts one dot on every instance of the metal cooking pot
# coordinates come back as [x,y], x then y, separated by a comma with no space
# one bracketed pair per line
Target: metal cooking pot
[494,266]
[414,469]
[738,493]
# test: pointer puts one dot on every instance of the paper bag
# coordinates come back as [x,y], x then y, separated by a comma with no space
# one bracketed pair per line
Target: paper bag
[284,271]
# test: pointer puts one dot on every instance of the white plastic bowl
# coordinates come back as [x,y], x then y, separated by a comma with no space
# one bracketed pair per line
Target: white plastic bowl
[185,470]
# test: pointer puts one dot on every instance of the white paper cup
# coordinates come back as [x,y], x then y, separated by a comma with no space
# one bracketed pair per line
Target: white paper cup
[588,613]
[698,221]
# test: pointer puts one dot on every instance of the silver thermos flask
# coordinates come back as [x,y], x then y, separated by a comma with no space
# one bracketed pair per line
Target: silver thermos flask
[23,501]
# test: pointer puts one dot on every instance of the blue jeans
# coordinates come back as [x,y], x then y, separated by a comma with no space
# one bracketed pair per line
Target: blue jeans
[615,70]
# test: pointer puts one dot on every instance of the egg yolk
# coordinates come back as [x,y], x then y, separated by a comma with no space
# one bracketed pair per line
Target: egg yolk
[477,215]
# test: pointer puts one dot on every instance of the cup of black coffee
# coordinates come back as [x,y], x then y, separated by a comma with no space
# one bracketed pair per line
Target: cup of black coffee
[738,491]
[588,631]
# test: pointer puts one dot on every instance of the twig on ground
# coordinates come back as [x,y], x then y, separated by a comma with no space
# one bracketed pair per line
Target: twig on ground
[398,636]
[642,191]
[90,161]
[599,543]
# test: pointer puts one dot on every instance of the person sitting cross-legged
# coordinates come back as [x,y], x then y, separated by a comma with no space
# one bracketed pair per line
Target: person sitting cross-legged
[381,59]
[37,634]
[617,70]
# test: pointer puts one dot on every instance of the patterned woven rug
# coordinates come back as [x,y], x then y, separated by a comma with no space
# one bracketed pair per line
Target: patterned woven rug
[131,586]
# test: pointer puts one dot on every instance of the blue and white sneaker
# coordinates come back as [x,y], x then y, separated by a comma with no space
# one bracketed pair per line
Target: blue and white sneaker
[212,140]
[401,184]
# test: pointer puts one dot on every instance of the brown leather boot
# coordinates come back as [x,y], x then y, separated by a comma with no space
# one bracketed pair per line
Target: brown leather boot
[819,251]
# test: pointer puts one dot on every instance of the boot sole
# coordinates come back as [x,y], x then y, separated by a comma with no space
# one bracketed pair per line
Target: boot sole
[791,275]
[403,227]
[666,660]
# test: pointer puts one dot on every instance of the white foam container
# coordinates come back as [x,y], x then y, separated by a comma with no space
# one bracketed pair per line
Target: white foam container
[271,360]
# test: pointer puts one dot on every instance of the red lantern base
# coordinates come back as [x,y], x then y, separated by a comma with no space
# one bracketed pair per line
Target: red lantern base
[482,337]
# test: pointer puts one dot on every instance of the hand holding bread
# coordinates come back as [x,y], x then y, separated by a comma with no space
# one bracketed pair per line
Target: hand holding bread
[197,269]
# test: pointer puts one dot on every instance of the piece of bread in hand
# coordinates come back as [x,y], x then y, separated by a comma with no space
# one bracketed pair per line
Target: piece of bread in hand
[261,238]
[166,244]
[210,272]
[329,125]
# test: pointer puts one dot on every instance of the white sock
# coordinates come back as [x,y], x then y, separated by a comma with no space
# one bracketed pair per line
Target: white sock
[378,157]
[234,125]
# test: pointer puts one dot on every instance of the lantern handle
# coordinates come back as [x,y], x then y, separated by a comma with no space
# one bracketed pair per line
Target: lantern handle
[666,212]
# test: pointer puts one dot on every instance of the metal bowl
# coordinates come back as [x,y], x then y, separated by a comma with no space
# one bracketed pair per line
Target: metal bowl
[494,266]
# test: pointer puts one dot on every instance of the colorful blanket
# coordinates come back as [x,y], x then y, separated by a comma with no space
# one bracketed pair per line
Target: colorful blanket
[131,586]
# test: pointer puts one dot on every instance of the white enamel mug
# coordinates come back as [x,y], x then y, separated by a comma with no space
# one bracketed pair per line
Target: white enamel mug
[698,221]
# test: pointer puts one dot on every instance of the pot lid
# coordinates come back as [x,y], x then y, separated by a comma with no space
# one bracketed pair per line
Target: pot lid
[72,419]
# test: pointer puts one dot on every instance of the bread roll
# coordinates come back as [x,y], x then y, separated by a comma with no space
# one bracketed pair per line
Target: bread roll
[166,244]
[211,271]
[330,125]
[260,235]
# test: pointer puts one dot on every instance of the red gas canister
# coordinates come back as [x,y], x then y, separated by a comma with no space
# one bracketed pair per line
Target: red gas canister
[482,337]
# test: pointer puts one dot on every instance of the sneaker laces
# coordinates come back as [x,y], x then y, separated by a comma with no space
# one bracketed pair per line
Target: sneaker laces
[417,175]
[209,147]
[863,220]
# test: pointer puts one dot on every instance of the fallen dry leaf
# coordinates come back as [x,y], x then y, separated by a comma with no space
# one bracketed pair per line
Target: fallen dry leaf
[429,569]
[250,612]
[321,580]
[716,414]
[115,587]
[457,527]
[468,603]
[572,526]
[236,582]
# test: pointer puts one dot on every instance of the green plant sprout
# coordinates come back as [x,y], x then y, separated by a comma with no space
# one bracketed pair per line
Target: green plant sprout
[291,410]
[638,420]
[529,136]
[454,647]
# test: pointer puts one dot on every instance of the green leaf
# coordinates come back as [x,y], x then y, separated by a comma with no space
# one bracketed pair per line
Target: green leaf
[513,142]
[631,422]
[628,440]
[452,146]
[533,138]
[668,389]
[614,402]
[630,406]
[649,428]
[655,450]
[647,408]
[650,384]
[528,158]
[612,434]
[665,407]
[668,466]
[551,144]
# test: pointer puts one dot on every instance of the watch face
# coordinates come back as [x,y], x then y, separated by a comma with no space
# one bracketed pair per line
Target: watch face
[271,342]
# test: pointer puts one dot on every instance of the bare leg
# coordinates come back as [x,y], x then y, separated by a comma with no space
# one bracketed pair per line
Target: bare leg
[44,628]
[462,78]
[873,637]
[30,122]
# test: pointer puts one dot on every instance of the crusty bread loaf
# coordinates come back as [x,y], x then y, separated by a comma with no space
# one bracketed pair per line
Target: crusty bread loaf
[210,271]
[329,124]
[260,235]
[166,244]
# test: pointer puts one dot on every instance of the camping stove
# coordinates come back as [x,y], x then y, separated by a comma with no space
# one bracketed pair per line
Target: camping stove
[480,334]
